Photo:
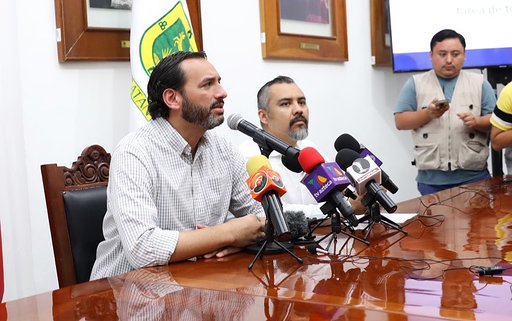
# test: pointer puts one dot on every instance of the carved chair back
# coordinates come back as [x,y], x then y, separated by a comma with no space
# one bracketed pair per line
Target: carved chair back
[76,203]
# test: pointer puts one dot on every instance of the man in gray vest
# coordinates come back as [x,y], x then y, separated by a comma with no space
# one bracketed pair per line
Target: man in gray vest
[448,111]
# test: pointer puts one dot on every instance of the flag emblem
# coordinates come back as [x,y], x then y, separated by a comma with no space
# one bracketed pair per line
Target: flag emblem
[159,28]
[171,33]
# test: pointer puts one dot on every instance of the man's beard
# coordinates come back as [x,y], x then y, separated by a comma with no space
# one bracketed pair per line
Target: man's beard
[200,115]
[300,133]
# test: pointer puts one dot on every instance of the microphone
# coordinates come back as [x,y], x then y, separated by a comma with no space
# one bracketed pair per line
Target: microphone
[347,141]
[266,187]
[291,164]
[297,223]
[365,176]
[299,227]
[266,141]
[325,181]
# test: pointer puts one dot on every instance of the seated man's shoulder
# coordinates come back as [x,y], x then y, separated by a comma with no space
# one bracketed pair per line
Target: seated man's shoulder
[141,143]
[221,144]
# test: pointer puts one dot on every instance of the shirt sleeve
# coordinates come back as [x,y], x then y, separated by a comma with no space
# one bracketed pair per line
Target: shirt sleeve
[407,98]
[502,115]
[505,100]
[135,212]
[488,98]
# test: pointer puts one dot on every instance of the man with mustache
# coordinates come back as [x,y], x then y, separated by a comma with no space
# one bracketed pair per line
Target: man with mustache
[450,139]
[173,182]
[284,113]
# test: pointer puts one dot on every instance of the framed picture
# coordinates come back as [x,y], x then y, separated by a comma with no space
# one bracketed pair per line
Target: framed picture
[304,29]
[380,33]
[114,14]
[99,29]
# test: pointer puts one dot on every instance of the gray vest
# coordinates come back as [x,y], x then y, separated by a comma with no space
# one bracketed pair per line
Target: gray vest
[445,143]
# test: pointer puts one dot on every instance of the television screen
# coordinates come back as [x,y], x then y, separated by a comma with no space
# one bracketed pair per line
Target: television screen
[484,25]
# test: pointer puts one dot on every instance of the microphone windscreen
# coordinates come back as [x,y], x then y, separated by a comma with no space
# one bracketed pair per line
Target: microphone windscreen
[292,163]
[297,223]
[256,162]
[347,141]
[309,158]
[345,157]
[234,120]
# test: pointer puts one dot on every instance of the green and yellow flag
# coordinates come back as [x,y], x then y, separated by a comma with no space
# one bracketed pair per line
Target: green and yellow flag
[159,28]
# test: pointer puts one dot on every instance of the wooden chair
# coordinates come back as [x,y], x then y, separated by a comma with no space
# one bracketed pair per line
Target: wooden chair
[76,201]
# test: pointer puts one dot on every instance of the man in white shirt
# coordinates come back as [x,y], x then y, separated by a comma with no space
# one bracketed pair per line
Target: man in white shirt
[284,113]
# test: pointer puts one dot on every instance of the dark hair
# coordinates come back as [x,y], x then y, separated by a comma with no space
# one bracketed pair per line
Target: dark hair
[167,74]
[262,96]
[446,34]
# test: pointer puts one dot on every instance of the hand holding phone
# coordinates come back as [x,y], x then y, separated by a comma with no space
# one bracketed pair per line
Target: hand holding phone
[442,104]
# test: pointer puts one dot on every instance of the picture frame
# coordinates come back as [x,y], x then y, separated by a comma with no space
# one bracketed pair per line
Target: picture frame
[278,43]
[380,38]
[76,41]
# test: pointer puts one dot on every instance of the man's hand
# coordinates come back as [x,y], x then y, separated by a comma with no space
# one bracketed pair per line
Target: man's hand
[435,111]
[219,240]
[420,117]
[357,206]
[480,123]
[468,119]
[222,252]
[246,230]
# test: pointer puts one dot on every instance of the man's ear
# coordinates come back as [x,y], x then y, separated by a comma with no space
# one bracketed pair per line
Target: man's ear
[172,98]
[262,114]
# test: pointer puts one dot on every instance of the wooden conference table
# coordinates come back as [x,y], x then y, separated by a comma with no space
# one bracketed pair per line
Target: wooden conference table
[430,274]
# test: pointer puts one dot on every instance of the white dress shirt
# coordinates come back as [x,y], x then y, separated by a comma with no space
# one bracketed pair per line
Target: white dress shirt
[157,188]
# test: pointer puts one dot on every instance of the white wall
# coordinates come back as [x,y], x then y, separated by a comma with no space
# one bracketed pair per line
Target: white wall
[51,111]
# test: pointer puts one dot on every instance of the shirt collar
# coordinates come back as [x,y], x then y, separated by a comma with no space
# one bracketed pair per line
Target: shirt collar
[175,140]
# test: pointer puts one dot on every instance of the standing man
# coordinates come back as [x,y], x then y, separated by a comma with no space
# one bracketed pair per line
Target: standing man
[450,139]
[501,120]
[172,182]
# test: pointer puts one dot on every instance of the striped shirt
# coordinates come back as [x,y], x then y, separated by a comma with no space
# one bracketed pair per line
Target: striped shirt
[502,115]
[156,189]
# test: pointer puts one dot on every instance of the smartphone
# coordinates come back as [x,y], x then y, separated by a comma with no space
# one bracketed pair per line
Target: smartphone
[442,103]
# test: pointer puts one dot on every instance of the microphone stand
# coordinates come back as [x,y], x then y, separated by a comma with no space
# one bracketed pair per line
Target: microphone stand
[374,216]
[269,229]
[336,227]
[270,240]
